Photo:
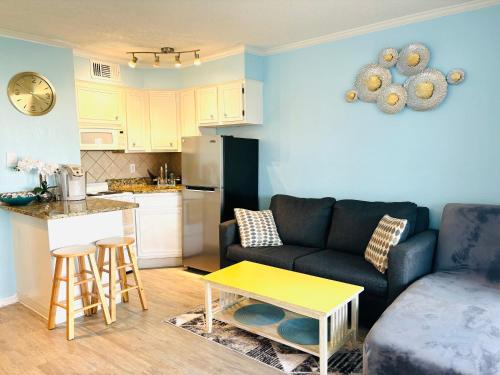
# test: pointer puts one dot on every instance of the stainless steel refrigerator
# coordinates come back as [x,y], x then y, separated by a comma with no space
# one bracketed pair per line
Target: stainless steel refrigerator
[219,173]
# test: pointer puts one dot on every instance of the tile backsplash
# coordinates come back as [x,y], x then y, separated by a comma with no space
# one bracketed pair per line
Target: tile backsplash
[103,165]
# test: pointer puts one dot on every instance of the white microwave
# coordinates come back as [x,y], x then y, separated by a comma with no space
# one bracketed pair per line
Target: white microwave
[102,139]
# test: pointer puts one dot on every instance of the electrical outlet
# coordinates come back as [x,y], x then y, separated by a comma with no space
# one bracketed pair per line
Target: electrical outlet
[132,168]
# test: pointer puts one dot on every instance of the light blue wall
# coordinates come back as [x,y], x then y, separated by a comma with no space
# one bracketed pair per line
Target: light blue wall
[255,67]
[53,137]
[227,69]
[161,78]
[130,77]
[210,72]
[315,144]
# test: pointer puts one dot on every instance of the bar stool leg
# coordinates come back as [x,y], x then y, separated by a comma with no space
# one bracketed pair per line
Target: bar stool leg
[70,296]
[100,291]
[56,283]
[123,274]
[100,264]
[84,288]
[112,283]
[137,277]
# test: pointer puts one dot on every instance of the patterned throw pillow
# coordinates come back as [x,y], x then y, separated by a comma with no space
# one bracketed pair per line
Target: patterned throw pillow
[387,234]
[257,228]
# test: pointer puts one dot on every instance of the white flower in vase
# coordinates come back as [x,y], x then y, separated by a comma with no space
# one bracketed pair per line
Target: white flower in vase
[48,169]
[27,165]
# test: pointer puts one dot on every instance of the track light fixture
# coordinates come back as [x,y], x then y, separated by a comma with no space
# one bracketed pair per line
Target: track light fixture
[178,63]
[165,51]
[133,61]
[197,60]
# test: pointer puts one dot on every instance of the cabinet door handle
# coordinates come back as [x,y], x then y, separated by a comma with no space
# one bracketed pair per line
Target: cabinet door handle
[133,144]
[116,117]
[211,116]
[171,144]
[225,115]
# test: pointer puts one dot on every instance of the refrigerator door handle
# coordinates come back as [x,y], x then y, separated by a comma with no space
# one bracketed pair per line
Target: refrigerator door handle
[200,188]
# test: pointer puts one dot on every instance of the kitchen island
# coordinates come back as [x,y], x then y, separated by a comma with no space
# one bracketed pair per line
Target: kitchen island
[40,228]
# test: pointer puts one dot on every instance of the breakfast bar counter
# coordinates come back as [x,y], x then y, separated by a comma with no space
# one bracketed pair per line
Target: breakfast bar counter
[64,209]
[39,228]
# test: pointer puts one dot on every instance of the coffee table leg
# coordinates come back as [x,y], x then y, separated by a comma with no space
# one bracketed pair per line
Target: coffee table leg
[208,308]
[354,318]
[323,346]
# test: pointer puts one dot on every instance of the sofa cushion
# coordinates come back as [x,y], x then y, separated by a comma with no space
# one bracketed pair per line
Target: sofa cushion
[349,268]
[469,238]
[302,221]
[354,221]
[389,233]
[257,228]
[277,256]
[422,223]
[444,323]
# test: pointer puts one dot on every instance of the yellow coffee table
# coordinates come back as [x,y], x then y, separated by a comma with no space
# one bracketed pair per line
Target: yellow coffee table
[298,294]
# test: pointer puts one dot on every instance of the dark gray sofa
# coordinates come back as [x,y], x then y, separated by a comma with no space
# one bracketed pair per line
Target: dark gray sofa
[449,321]
[327,238]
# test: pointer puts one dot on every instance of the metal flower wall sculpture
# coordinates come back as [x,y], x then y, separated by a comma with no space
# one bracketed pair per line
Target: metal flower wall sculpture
[424,89]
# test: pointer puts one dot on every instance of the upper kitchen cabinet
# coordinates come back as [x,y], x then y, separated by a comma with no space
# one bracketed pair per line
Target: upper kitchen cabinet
[233,103]
[231,97]
[100,106]
[187,103]
[164,125]
[137,120]
[207,105]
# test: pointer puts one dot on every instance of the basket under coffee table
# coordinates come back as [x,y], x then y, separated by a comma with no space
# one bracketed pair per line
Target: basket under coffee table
[298,294]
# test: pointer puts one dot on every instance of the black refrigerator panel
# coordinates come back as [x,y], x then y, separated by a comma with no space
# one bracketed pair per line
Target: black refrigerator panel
[240,175]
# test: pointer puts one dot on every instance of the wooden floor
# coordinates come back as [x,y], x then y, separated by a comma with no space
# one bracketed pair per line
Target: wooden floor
[137,343]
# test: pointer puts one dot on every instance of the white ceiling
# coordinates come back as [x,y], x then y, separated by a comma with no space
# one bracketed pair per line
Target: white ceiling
[109,28]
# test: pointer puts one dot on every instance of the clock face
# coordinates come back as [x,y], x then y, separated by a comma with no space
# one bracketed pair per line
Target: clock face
[31,94]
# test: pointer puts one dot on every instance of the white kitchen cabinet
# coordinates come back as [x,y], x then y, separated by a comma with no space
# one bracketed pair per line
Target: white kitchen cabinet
[233,103]
[137,112]
[187,104]
[207,105]
[164,126]
[100,106]
[159,229]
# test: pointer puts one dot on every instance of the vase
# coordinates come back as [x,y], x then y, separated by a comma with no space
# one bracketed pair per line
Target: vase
[43,195]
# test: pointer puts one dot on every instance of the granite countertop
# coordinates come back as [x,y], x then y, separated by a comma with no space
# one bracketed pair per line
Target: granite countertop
[63,209]
[141,189]
[140,186]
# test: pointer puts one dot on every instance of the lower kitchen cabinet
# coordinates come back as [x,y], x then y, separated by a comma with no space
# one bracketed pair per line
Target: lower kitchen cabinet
[159,232]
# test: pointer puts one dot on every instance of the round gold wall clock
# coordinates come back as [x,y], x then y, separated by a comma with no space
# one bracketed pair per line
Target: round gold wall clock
[31,93]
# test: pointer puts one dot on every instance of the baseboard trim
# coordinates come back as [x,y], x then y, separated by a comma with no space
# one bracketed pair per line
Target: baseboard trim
[159,262]
[8,300]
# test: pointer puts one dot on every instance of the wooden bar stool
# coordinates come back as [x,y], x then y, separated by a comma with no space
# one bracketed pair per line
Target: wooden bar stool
[70,254]
[116,263]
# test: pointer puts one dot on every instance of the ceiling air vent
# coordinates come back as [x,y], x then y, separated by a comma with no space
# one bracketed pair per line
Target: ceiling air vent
[104,71]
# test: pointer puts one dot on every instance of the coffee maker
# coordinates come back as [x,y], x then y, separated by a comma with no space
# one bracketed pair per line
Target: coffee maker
[72,182]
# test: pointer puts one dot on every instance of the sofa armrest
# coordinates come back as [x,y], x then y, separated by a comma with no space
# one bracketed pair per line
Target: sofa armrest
[410,260]
[228,235]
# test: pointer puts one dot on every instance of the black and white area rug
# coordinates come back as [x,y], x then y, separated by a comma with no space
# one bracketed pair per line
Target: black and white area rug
[347,361]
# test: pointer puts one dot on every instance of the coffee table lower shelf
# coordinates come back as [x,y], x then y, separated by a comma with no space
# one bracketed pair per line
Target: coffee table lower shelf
[339,330]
